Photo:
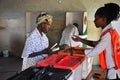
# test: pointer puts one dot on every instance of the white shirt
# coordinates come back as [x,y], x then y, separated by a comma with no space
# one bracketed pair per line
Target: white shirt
[105,43]
[67,34]
[34,43]
[116,25]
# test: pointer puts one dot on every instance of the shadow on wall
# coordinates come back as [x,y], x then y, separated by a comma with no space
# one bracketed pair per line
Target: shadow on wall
[16,45]
[55,31]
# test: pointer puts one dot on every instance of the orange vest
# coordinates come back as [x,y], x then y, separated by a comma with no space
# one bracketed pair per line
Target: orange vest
[115,38]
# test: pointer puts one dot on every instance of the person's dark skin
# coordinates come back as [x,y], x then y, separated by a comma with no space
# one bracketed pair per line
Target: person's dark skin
[43,27]
[100,22]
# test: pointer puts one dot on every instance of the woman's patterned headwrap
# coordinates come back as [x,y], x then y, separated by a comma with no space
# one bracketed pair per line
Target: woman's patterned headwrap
[44,18]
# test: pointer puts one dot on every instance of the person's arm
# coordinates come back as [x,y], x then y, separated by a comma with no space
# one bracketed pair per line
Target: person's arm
[45,51]
[102,45]
[88,42]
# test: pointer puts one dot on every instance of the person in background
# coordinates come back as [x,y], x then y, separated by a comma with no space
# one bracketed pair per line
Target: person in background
[37,44]
[103,17]
[76,25]
[67,33]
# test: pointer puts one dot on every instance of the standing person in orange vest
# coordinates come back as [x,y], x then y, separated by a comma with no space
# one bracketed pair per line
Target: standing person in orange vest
[107,43]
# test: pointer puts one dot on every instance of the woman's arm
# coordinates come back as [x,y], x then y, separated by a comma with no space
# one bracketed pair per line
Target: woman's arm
[45,51]
[88,42]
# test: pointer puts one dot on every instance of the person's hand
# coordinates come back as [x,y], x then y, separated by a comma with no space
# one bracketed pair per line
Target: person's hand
[96,42]
[47,51]
[76,38]
[69,50]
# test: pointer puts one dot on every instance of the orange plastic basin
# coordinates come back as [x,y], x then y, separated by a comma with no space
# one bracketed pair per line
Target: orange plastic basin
[69,62]
[50,61]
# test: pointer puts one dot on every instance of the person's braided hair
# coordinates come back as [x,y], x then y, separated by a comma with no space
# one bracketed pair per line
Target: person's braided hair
[109,11]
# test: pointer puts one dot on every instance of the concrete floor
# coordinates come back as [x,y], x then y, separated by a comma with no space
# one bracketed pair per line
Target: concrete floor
[9,66]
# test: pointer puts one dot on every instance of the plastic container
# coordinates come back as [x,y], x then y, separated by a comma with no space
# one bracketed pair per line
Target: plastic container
[5,53]
[61,61]
[50,61]
[69,62]
[64,52]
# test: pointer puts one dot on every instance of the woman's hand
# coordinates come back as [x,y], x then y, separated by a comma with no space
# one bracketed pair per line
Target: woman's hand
[76,38]
[95,42]
[47,51]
